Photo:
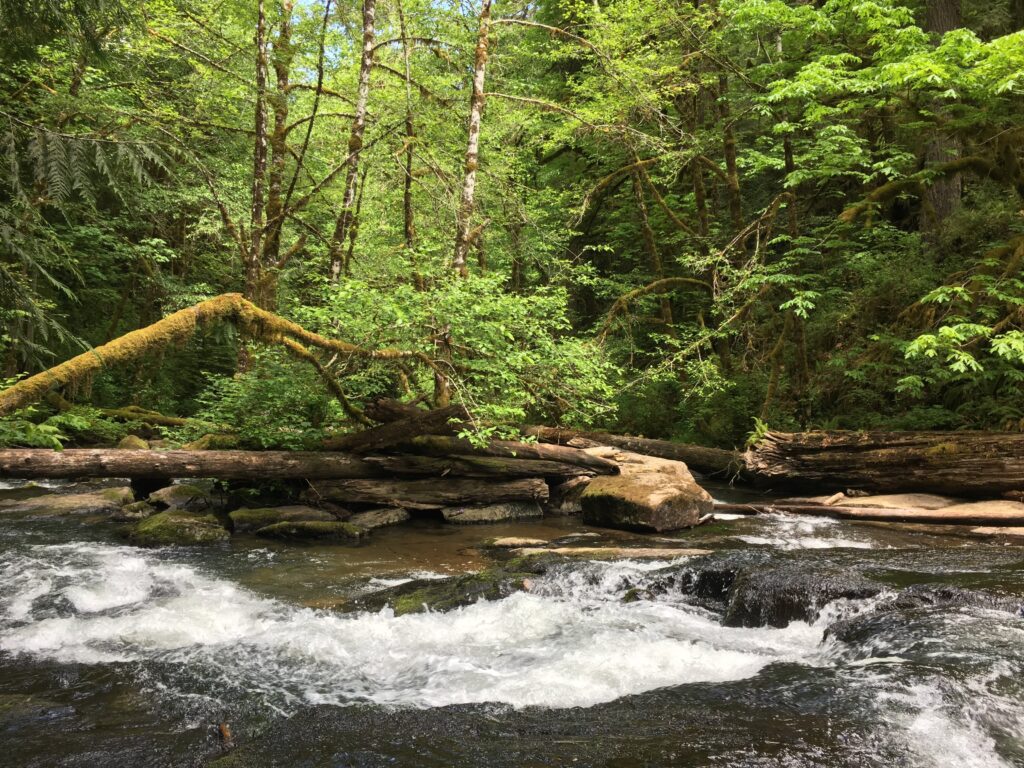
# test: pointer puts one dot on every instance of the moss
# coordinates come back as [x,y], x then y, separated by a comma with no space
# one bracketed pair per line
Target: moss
[183,496]
[133,443]
[313,530]
[254,519]
[175,527]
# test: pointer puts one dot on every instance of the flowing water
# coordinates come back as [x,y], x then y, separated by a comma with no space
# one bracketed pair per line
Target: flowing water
[799,642]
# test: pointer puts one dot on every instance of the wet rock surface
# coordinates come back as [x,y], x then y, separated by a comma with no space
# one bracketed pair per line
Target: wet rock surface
[250,520]
[178,528]
[189,497]
[313,530]
[493,513]
[105,501]
[379,518]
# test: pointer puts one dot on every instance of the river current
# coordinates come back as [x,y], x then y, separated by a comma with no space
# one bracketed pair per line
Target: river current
[112,655]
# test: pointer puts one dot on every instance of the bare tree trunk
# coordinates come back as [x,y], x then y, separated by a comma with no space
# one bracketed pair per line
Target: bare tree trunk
[653,257]
[355,144]
[259,161]
[408,216]
[942,197]
[729,150]
[465,213]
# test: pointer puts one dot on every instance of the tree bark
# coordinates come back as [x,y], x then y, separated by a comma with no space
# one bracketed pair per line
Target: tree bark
[464,215]
[355,144]
[434,445]
[477,466]
[387,435]
[971,464]
[429,494]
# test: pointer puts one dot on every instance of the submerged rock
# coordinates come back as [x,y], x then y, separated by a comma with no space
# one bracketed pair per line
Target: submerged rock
[774,596]
[178,527]
[248,520]
[649,494]
[613,553]
[308,530]
[493,513]
[183,496]
[378,518]
[106,501]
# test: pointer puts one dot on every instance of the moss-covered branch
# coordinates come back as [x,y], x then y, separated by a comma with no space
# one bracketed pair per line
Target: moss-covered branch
[256,323]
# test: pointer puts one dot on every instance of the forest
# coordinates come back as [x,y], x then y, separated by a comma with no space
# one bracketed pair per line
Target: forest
[683,220]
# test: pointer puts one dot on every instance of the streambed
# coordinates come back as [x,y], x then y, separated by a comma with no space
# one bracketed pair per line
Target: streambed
[112,655]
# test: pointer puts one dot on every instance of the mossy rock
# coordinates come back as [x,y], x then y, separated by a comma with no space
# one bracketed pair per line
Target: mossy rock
[133,443]
[105,501]
[492,513]
[137,510]
[379,518]
[212,443]
[183,496]
[313,530]
[176,527]
[246,520]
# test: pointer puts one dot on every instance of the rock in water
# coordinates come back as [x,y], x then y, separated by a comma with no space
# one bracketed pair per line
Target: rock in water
[107,501]
[313,530]
[184,496]
[178,527]
[649,494]
[246,520]
[493,513]
[378,518]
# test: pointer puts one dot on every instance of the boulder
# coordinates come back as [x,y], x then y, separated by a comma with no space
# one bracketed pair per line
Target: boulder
[137,510]
[133,443]
[248,520]
[378,518]
[178,527]
[106,501]
[183,496]
[310,530]
[493,513]
[648,494]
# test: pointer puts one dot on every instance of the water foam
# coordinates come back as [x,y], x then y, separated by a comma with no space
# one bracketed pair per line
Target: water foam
[802,532]
[569,642]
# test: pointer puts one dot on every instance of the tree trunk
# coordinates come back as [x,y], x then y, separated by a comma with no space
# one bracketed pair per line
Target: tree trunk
[224,465]
[429,494]
[434,445]
[729,151]
[424,423]
[355,144]
[259,164]
[696,457]
[477,466]
[464,215]
[974,464]
[651,247]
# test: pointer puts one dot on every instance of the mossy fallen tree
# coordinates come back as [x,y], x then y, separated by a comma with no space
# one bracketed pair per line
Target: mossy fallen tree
[255,323]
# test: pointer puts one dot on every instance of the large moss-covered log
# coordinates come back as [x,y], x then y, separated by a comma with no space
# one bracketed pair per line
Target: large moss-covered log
[697,457]
[428,494]
[224,465]
[976,464]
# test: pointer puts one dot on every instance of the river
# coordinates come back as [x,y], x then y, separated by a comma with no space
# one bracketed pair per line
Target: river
[112,655]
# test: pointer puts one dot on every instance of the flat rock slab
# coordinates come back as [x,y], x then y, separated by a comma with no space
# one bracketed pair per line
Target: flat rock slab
[108,501]
[614,553]
[993,530]
[899,501]
[248,520]
[512,542]
[995,512]
[493,513]
[648,494]
[313,530]
[178,527]
[379,518]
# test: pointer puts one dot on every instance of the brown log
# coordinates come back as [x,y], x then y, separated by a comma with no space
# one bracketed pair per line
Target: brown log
[960,514]
[445,421]
[225,465]
[696,457]
[476,466]
[386,409]
[429,494]
[434,445]
[973,464]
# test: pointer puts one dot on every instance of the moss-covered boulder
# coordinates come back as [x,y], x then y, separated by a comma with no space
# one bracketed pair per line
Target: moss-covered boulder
[137,510]
[249,520]
[648,494]
[178,527]
[133,443]
[379,518]
[493,513]
[189,497]
[105,501]
[313,530]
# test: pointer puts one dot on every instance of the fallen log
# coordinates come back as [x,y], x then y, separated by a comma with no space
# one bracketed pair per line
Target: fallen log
[428,494]
[225,465]
[476,466]
[435,445]
[696,457]
[998,513]
[975,464]
[442,421]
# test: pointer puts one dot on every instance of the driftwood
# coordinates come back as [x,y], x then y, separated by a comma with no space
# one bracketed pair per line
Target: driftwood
[974,464]
[696,457]
[429,494]
[439,445]
[960,514]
